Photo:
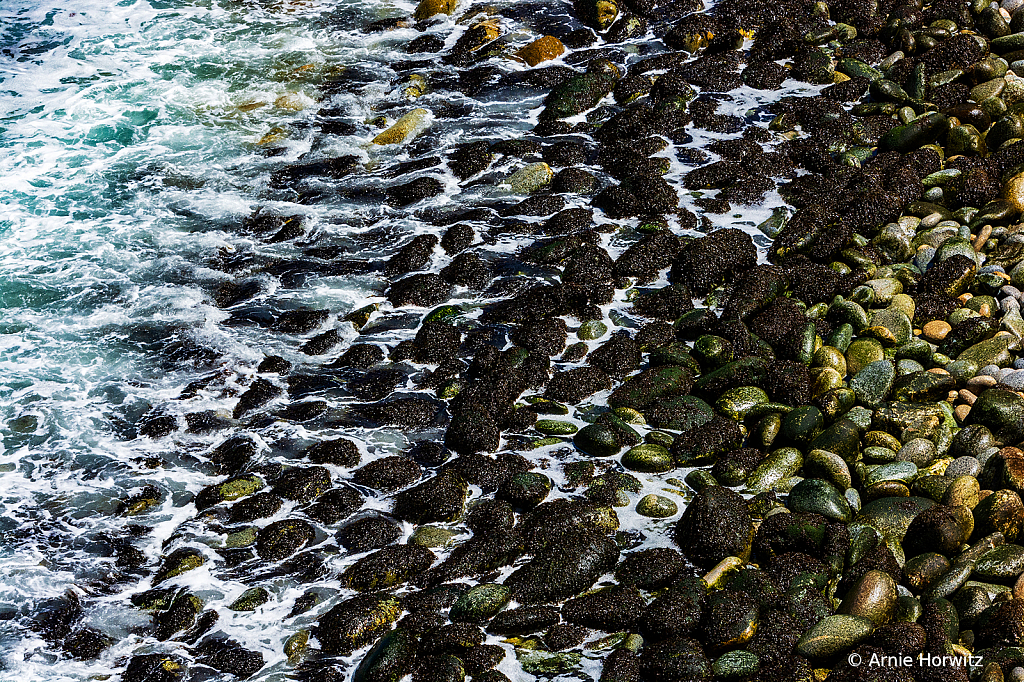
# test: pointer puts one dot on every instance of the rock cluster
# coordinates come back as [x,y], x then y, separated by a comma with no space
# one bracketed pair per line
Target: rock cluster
[847,418]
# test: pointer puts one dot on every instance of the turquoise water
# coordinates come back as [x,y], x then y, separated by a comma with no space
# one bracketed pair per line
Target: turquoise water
[135,138]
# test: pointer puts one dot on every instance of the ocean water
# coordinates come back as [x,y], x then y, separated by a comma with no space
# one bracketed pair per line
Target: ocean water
[135,139]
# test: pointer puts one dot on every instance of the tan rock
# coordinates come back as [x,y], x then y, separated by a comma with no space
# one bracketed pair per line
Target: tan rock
[936,330]
[428,8]
[961,412]
[404,128]
[541,50]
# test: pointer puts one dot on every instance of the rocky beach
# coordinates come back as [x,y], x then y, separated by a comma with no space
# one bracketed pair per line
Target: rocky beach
[615,341]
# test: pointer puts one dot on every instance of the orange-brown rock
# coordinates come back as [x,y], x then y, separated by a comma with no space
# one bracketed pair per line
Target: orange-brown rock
[541,50]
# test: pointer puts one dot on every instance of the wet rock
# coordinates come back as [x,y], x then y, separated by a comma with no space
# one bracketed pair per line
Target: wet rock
[440,499]
[387,567]
[873,596]
[714,526]
[155,668]
[833,635]
[656,506]
[523,620]
[356,622]
[638,196]
[706,442]
[471,432]
[283,538]
[231,489]
[424,290]
[480,603]
[54,618]
[258,506]
[413,256]
[360,355]
[703,264]
[260,393]
[650,569]
[563,569]
[369,533]
[388,473]
[675,659]
[525,490]
[458,237]
[302,484]
[545,336]
[939,529]
[1002,412]
[618,356]
[402,412]
[389,659]
[731,619]
[250,600]
[179,561]
[228,656]
[652,386]
[468,160]
[818,496]
[335,505]
[1001,625]
[576,385]
[610,609]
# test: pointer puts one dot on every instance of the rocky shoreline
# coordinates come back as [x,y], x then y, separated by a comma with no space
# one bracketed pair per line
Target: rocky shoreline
[826,441]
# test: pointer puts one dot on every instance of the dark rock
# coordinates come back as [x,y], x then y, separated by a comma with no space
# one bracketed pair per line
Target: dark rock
[610,609]
[283,538]
[708,441]
[703,264]
[228,656]
[388,473]
[638,196]
[457,238]
[335,504]
[651,569]
[677,612]
[715,525]
[440,499]
[618,356]
[468,270]
[360,356]
[565,636]
[563,569]
[413,191]
[356,622]
[369,533]
[576,385]
[413,256]
[675,659]
[258,506]
[389,566]
[402,412]
[523,620]
[302,484]
[260,393]
[423,290]
[155,668]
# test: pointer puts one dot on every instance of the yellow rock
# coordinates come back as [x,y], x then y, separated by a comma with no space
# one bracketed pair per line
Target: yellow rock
[275,135]
[530,178]
[1013,192]
[428,8]
[250,106]
[541,50]
[293,101]
[415,86]
[491,31]
[404,128]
